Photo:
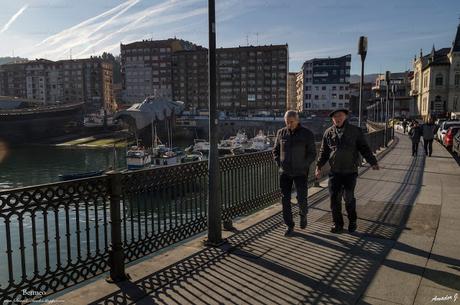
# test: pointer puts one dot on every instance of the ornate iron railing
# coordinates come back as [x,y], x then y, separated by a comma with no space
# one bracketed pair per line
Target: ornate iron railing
[53,236]
[56,235]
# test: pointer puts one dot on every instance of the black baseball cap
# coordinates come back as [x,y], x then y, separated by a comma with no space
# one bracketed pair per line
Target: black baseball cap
[338,110]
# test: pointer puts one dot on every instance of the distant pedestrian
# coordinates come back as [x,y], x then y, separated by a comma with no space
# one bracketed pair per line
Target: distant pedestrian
[415,134]
[342,143]
[428,131]
[404,124]
[294,151]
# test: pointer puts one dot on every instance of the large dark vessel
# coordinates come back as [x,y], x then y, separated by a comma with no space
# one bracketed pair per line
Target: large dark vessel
[26,122]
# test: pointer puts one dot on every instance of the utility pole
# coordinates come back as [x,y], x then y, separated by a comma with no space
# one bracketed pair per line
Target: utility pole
[214,202]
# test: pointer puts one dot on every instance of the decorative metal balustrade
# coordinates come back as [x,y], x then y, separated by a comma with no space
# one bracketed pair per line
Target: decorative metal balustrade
[57,235]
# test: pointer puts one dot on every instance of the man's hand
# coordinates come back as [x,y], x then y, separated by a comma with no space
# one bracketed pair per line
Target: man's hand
[375,167]
[317,173]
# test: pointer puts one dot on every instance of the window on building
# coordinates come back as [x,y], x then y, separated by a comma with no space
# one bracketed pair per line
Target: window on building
[334,88]
[457,79]
[439,80]
[316,97]
[455,105]
[340,96]
[323,88]
[425,81]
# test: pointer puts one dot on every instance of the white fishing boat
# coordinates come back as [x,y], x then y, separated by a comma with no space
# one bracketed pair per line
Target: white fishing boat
[201,145]
[192,157]
[228,147]
[163,155]
[138,157]
[259,143]
[165,158]
[240,139]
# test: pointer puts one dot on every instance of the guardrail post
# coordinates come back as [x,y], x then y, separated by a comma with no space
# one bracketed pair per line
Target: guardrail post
[116,252]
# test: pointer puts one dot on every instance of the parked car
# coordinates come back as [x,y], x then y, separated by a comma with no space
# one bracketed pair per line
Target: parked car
[438,123]
[456,144]
[449,136]
[443,129]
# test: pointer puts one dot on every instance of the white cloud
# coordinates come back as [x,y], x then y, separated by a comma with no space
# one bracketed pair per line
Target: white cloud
[13,18]
[106,30]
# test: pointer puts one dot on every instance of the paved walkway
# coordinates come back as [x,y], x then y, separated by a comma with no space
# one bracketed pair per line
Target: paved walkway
[406,250]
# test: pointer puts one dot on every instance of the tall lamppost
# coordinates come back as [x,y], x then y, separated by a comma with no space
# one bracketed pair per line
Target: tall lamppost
[393,92]
[387,80]
[214,202]
[362,51]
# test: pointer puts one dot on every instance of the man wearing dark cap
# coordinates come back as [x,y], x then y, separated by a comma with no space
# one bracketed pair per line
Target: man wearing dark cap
[342,143]
[294,151]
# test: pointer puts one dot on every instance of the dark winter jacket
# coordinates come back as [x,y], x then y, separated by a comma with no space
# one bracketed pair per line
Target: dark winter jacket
[428,131]
[343,153]
[415,133]
[294,151]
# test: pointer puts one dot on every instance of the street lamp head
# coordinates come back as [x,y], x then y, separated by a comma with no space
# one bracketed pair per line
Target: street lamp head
[362,46]
[387,76]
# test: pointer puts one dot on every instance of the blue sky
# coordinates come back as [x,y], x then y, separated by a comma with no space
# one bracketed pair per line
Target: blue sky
[313,28]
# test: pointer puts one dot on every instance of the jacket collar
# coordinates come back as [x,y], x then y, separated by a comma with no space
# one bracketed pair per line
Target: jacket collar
[344,126]
[295,129]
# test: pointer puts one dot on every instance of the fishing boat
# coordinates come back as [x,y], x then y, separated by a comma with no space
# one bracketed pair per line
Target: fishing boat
[259,143]
[228,147]
[163,155]
[201,145]
[138,157]
[168,158]
[192,157]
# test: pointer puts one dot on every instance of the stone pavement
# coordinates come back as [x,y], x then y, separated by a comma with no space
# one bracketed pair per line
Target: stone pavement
[406,250]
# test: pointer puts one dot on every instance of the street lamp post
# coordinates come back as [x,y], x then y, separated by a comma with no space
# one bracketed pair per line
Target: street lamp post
[387,80]
[393,89]
[214,202]
[362,51]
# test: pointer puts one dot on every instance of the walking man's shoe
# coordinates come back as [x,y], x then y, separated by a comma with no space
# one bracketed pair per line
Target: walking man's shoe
[336,229]
[352,227]
[303,221]
[289,231]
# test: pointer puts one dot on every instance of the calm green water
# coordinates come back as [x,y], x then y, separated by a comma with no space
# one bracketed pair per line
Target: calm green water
[32,165]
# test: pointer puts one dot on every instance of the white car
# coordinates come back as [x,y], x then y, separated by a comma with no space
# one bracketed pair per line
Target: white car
[442,130]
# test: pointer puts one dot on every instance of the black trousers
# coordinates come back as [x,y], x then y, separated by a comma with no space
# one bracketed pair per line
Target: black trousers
[414,148]
[342,185]
[301,186]
[428,146]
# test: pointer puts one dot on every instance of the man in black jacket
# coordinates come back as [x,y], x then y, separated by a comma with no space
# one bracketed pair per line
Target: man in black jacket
[342,143]
[294,151]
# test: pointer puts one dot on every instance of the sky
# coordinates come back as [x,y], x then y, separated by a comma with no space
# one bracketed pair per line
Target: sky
[396,30]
